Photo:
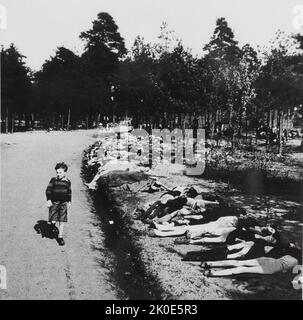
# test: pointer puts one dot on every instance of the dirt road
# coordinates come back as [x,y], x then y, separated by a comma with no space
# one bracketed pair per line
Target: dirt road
[37,268]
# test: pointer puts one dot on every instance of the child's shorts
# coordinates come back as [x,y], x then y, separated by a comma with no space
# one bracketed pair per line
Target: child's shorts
[58,212]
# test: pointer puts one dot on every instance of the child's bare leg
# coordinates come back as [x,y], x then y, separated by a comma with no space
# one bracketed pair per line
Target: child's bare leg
[61,228]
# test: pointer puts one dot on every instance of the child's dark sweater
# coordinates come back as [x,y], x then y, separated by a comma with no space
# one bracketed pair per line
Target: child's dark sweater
[59,190]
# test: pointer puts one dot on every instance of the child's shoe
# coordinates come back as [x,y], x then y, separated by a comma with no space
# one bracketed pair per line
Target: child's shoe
[37,228]
[61,241]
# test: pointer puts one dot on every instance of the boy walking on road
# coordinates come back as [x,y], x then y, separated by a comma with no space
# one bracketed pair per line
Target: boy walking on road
[58,195]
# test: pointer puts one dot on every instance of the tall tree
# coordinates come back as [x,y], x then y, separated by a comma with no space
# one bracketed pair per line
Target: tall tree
[279,85]
[139,90]
[222,44]
[178,73]
[60,88]
[16,85]
[222,56]
[104,48]
[104,34]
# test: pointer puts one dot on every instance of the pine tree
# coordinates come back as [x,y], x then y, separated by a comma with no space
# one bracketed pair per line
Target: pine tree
[104,49]
[222,44]
[16,85]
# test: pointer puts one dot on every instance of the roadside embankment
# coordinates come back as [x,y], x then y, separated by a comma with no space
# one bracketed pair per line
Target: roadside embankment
[127,187]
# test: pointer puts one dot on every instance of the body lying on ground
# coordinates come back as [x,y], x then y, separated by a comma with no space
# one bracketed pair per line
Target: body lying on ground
[169,204]
[251,249]
[262,265]
[241,250]
[212,232]
[182,209]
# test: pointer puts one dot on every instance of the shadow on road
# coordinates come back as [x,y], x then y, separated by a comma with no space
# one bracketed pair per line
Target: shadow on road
[46,229]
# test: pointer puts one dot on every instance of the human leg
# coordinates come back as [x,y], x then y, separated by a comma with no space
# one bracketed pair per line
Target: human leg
[234,263]
[179,231]
[168,217]
[61,229]
[53,219]
[233,271]
[62,221]
[164,227]
[205,240]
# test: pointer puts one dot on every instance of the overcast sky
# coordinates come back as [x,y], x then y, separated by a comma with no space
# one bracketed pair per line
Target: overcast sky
[37,27]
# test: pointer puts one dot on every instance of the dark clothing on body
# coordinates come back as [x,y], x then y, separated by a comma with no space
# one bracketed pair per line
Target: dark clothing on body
[59,190]
[58,212]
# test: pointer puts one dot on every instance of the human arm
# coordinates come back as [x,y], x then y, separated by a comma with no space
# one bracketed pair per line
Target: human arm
[49,203]
[211,202]
[268,239]
[48,193]
[69,193]
[243,248]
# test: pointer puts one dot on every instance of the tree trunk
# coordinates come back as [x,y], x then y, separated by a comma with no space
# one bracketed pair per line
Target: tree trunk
[6,121]
[98,119]
[287,124]
[240,118]
[68,119]
[213,121]
[53,121]
[273,118]
[268,126]
[13,123]
[256,125]
[280,122]
[27,121]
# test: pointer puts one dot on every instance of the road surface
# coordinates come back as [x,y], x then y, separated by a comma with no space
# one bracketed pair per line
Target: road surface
[37,268]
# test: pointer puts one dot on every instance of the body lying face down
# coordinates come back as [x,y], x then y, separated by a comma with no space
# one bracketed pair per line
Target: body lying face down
[170,205]
[268,252]
[213,232]
[284,261]
[176,206]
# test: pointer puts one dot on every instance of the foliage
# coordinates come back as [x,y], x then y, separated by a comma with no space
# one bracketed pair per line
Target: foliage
[233,88]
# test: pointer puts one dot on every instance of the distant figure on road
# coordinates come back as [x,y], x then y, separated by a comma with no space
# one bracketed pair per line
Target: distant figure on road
[59,195]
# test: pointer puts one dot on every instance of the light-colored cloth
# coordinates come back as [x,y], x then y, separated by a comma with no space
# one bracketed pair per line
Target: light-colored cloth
[288,263]
[271,265]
